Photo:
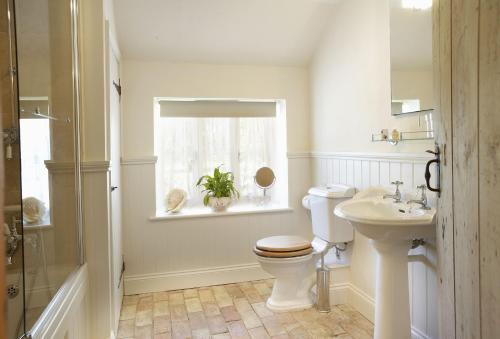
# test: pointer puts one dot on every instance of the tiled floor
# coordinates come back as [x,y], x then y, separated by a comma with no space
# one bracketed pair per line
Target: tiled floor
[231,311]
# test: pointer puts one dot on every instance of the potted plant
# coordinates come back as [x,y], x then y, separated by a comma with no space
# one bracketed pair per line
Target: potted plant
[219,189]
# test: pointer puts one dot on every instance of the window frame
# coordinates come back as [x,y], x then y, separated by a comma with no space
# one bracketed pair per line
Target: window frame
[280,189]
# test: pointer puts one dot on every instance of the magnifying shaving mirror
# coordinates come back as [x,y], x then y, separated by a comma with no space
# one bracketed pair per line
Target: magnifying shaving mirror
[264,179]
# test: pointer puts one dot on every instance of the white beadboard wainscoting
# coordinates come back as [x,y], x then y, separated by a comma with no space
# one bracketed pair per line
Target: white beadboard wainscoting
[188,252]
[162,254]
[365,170]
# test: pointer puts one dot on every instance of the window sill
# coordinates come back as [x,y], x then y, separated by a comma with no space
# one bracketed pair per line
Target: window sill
[206,212]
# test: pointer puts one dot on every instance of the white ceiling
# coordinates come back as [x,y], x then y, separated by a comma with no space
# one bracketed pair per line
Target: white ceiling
[271,32]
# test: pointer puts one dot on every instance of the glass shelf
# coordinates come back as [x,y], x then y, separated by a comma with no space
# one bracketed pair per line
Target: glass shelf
[404,136]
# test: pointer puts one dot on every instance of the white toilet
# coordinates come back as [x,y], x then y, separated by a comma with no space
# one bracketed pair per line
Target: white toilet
[292,260]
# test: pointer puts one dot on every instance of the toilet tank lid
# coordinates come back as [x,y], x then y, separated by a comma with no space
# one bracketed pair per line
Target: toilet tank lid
[333,191]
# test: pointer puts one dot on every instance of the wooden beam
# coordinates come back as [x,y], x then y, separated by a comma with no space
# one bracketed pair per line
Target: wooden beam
[489,166]
[444,132]
[465,25]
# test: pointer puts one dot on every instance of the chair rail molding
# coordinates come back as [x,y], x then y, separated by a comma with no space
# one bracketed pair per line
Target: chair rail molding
[144,160]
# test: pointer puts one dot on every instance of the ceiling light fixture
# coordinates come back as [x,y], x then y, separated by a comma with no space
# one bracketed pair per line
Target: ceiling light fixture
[416,4]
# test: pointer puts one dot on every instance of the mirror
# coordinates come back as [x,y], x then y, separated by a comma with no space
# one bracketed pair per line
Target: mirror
[265,178]
[411,56]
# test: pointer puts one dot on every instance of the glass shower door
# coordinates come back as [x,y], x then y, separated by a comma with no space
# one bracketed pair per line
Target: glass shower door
[12,227]
[41,155]
[49,149]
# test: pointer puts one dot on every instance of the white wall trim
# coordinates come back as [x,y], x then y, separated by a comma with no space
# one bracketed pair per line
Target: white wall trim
[362,302]
[362,156]
[68,298]
[193,278]
[298,155]
[60,166]
[139,161]
[339,293]
[373,156]
[96,166]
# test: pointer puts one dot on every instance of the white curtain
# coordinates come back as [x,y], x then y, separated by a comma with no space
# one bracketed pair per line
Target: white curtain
[35,139]
[178,147]
[192,147]
[215,146]
[257,146]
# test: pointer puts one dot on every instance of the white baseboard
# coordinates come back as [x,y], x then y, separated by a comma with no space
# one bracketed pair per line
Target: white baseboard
[362,302]
[347,293]
[193,278]
[339,293]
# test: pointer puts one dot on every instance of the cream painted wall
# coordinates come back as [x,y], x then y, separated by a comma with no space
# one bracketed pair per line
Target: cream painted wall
[144,80]
[156,251]
[350,100]
[350,82]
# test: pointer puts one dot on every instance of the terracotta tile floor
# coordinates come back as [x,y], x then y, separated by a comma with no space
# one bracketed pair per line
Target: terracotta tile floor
[231,311]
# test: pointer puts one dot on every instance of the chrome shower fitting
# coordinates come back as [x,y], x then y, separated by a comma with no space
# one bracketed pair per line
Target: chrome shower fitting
[12,238]
[10,137]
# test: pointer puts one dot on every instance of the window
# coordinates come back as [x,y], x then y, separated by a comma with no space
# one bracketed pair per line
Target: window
[35,139]
[192,140]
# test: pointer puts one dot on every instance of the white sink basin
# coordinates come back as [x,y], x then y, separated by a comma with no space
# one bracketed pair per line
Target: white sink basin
[382,219]
[391,227]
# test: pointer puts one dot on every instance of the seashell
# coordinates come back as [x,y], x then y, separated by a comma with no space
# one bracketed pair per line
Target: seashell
[175,200]
[33,209]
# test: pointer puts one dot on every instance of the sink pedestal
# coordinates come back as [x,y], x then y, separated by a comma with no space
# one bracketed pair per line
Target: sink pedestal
[392,298]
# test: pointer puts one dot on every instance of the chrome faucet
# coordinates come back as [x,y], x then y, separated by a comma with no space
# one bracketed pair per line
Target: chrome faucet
[423,199]
[12,239]
[397,195]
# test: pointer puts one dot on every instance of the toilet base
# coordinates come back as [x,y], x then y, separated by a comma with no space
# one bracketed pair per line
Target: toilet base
[295,277]
[291,305]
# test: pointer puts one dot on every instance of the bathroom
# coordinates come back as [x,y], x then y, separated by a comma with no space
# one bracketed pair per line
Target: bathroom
[350,127]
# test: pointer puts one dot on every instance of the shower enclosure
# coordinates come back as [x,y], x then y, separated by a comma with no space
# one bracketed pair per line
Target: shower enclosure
[39,102]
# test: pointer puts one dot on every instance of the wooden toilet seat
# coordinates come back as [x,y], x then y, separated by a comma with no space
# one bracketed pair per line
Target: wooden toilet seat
[283,246]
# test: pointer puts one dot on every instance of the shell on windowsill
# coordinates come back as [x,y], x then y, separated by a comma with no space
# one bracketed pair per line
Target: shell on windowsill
[33,210]
[175,200]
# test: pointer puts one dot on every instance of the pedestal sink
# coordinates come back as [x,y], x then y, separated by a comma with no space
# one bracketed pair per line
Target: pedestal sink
[391,227]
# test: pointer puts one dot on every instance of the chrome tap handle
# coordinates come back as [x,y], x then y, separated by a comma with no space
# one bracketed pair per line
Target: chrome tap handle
[423,196]
[397,183]
[397,194]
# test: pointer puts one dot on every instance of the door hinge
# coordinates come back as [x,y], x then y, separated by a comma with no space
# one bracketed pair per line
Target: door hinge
[118,87]
[121,273]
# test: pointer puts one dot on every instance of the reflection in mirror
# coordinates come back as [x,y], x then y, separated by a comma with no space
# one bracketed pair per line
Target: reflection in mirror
[411,56]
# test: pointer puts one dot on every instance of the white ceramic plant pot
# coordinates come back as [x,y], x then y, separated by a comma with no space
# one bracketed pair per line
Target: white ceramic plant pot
[219,204]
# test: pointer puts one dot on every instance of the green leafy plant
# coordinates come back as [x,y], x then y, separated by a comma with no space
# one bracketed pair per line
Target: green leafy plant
[220,185]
